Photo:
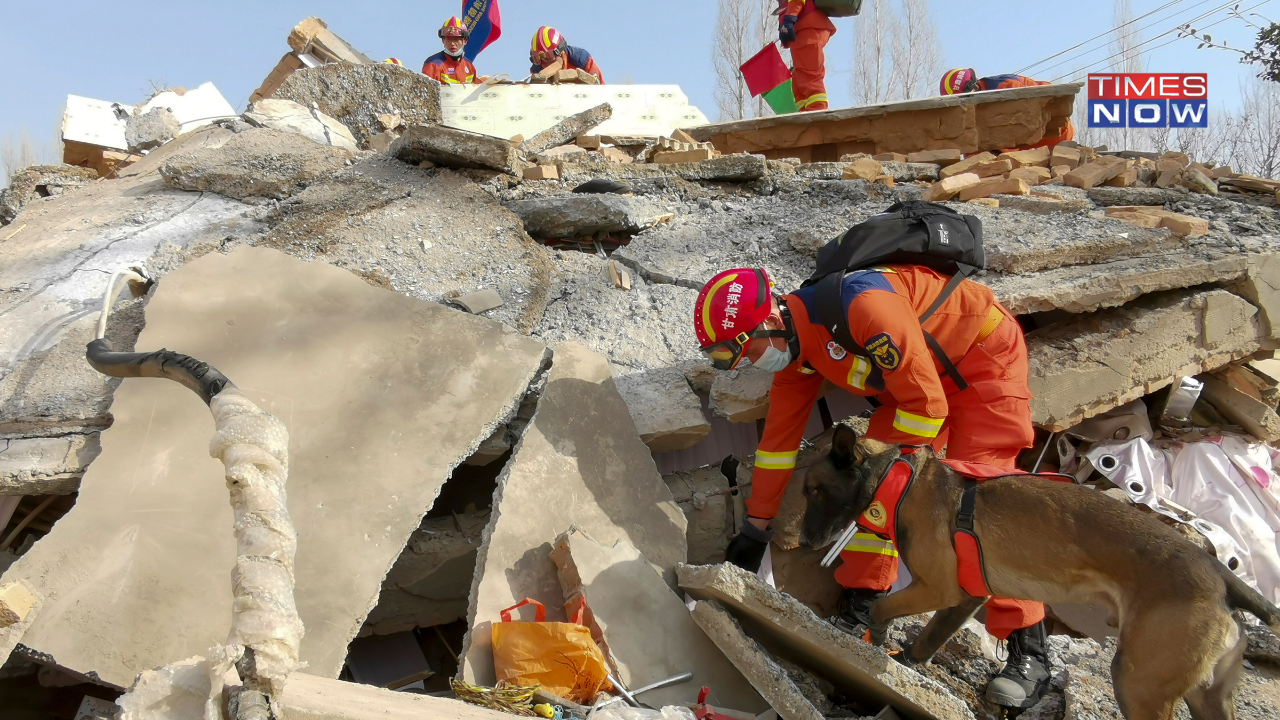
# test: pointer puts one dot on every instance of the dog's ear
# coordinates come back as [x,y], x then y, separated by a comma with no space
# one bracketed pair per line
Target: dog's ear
[844,447]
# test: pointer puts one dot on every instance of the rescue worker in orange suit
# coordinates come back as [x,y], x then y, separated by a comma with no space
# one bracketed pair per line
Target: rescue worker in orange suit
[549,47]
[966,80]
[805,29]
[738,316]
[450,66]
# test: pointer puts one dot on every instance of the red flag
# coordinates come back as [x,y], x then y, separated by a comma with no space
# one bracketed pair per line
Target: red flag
[484,20]
[765,71]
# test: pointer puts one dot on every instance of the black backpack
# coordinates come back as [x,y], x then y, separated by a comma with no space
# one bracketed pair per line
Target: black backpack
[912,232]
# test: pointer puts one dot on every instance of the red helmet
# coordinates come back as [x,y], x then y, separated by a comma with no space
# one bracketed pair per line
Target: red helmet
[453,27]
[393,61]
[960,80]
[729,308]
[547,44]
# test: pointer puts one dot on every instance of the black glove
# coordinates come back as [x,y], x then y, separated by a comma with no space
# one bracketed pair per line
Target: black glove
[746,549]
[787,30]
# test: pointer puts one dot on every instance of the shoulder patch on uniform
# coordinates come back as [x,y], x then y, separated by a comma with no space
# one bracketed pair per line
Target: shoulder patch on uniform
[884,352]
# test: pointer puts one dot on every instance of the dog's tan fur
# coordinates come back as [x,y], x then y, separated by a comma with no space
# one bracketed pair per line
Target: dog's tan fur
[1057,542]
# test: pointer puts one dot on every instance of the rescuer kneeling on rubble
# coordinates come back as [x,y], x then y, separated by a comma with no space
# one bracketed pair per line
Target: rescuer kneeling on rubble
[549,48]
[737,315]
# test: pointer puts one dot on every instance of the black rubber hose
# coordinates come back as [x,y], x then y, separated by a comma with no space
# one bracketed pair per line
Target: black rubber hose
[200,377]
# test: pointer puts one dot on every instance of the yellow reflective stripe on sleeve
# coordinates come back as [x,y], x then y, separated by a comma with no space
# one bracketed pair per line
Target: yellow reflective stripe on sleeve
[821,97]
[859,372]
[869,543]
[776,460]
[918,425]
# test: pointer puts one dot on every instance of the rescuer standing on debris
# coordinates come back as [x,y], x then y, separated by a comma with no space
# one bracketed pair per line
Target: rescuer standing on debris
[805,29]
[450,66]
[549,47]
[966,80]
[737,315]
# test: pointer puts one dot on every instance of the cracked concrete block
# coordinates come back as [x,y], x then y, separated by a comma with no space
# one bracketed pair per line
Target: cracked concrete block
[667,413]
[1261,286]
[580,462]
[358,95]
[1085,288]
[151,130]
[360,376]
[1042,205]
[258,163]
[734,168]
[1109,196]
[289,116]
[743,395]
[789,629]
[909,171]
[1019,243]
[629,601]
[580,215]
[1080,368]
[456,148]
[767,676]
[703,495]
[45,465]
[38,181]
[567,129]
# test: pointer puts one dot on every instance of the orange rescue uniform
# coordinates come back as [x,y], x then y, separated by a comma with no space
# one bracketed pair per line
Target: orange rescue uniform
[988,422]
[450,71]
[575,58]
[1004,82]
[813,30]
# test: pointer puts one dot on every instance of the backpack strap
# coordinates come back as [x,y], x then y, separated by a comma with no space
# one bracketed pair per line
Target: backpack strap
[947,366]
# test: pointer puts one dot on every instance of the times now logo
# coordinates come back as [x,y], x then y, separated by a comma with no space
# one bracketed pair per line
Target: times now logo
[1149,100]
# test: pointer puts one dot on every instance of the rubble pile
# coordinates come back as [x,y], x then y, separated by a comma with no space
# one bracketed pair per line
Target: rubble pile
[481,348]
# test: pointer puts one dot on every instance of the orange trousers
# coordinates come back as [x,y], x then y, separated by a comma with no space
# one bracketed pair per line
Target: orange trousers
[989,422]
[808,78]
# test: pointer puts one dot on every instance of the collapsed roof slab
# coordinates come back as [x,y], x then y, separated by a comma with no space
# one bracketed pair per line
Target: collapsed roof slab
[1086,366]
[580,462]
[383,396]
[972,122]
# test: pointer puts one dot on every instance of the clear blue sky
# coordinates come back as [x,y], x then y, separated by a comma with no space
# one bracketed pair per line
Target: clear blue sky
[111,50]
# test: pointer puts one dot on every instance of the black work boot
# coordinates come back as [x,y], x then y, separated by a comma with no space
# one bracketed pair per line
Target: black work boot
[1026,675]
[853,614]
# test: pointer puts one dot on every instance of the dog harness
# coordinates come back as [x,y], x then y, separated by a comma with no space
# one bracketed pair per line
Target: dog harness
[881,516]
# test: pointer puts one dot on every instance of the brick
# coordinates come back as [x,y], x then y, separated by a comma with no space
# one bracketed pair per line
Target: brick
[1124,179]
[1185,225]
[863,169]
[1164,165]
[682,156]
[1032,175]
[1035,157]
[995,186]
[684,137]
[1095,173]
[989,202]
[967,165]
[1182,159]
[15,602]
[542,172]
[1061,170]
[1224,171]
[993,168]
[1068,156]
[890,157]
[937,157]
[1087,154]
[588,142]
[1169,178]
[1135,218]
[950,187]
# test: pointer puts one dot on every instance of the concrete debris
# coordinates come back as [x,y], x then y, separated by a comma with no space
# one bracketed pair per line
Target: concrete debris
[583,215]
[289,116]
[149,130]
[667,413]
[568,129]
[704,496]
[1252,414]
[255,164]
[358,95]
[313,37]
[16,602]
[455,148]
[742,395]
[317,698]
[479,302]
[45,465]
[736,168]
[40,181]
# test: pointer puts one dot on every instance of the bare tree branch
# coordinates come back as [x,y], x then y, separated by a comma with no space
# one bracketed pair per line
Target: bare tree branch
[917,62]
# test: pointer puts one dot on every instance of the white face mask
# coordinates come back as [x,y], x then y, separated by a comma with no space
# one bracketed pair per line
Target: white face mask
[773,359]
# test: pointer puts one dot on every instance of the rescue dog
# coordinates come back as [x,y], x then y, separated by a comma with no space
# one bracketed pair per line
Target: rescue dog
[1054,542]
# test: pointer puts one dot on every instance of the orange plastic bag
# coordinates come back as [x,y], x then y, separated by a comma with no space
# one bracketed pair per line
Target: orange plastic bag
[561,657]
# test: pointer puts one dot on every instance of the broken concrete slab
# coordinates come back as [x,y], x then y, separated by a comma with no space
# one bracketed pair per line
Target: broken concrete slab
[356,95]
[567,129]
[155,127]
[703,495]
[1080,368]
[259,163]
[289,116]
[1085,288]
[1042,205]
[742,395]
[731,168]
[580,462]
[172,598]
[455,148]
[212,136]
[1018,243]
[45,465]
[629,602]
[574,216]
[1261,286]
[40,181]
[765,674]
[478,302]
[667,413]
[1255,416]
[1107,196]
[306,697]
[789,629]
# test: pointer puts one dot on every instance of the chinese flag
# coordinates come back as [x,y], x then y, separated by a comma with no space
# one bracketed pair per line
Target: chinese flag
[765,71]
[484,20]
